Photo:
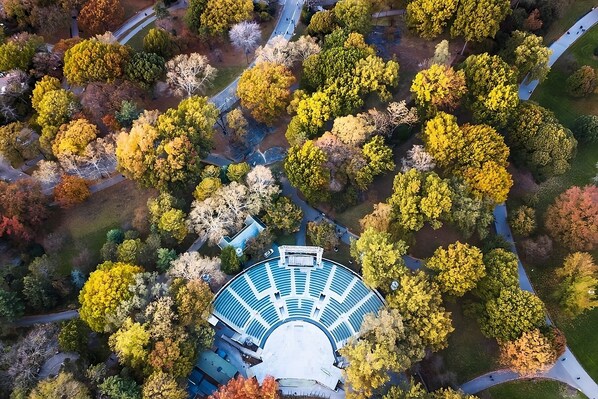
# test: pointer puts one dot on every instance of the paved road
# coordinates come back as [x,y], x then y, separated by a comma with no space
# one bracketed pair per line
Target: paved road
[560,46]
[8,173]
[53,365]
[287,21]
[46,318]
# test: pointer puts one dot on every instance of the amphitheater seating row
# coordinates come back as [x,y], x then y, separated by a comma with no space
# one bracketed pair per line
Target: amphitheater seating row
[334,290]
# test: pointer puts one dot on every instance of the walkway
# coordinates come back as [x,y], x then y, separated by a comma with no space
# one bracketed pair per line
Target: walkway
[567,369]
[560,46]
[287,21]
[46,318]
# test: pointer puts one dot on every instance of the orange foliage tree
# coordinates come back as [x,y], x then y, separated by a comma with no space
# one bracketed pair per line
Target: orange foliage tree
[71,190]
[241,388]
[98,16]
[573,218]
[531,353]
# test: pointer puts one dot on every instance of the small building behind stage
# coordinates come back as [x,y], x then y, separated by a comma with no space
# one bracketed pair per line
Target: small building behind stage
[253,228]
[209,372]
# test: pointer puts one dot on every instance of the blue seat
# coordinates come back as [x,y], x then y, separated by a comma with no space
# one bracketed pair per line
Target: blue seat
[341,280]
[259,278]
[282,279]
[256,329]
[231,308]
[300,278]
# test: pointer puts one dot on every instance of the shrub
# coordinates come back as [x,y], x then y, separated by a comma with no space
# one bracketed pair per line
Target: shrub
[537,250]
[115,235]
[582,82]
[585,129]
[523,221]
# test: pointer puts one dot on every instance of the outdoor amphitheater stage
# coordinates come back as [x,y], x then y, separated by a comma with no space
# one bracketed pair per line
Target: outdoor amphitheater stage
[299,351]
[299,309]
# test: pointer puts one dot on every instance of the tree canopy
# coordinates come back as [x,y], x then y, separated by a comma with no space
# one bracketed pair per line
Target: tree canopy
[94,61]
[458,268]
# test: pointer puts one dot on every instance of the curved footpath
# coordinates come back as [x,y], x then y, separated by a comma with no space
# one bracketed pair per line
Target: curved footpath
[567,369]
[560,46]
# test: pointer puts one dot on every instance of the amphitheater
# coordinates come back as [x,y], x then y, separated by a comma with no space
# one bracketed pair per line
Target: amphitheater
[292,313]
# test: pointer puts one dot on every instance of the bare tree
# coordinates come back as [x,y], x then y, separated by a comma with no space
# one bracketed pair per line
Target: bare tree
[399,114]
[193,266]
[189,74]
[97,162]
[245,36]
[280,51]
[48,174]
[417,158]
[262,188]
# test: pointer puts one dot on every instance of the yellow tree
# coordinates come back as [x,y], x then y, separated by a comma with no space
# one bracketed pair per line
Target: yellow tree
[578,281]
[380,258]
[458,268]
[429,17]
[95,61]
[160,385]
[479,19]
[265,90]
[46,84]
[304,166]
[219,15]
[438,88]
[130,343]
[73,138]
[104,291]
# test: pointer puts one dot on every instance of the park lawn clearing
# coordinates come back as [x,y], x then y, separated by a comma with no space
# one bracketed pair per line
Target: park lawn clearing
[226,75]
[581,338]
[136,42]
[86,224]
[469,353]
[531,389]
[574,12]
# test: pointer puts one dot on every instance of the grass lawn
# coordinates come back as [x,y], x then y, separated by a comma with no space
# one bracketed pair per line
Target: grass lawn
[136,41]
[225,76]
[538,389]
[86,224]
[581,337]
[469,353]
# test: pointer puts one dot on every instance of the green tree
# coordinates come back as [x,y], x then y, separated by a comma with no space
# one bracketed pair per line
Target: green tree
[585,129]
[429,17]
[469,212]
[38,292]
[322,234]
[523,221]
[355,15]
[304,167]
[380,258]
[145,68]
[230,262]
[11,306]
[206,188]
[237,171]
[103,292]
[74,336]
[219,15]
[95,61]
[127,113]
[511,314]
[501,273]
[418,198]
[438,88]
[538,141]
[322,23]
[165,257]
[458,268]
[17,53]
[63,386]
[478,19]
[528,54]
[582,82]
[491,83]
[284,215]
[578,281]
[193,14]
[128,250]
[166,217]
[379,159]
[265,90]
[117,387]
[160,42]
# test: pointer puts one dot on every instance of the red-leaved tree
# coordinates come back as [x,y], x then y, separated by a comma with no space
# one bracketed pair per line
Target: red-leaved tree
[22,209]
[573,218]
[241,388]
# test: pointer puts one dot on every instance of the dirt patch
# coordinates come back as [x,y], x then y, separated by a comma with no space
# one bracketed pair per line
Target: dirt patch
[276,138]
